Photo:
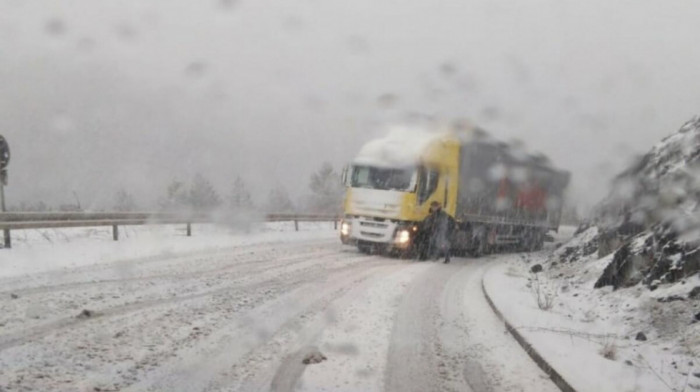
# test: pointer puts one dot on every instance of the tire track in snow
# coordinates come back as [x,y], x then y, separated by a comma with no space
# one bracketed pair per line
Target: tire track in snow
[412,363]
[206,365]
[33,333]
[357,340]
[275,365]
[475,347]
[260,263]
[149,343]
[248,255]
[55,304]
[446,338]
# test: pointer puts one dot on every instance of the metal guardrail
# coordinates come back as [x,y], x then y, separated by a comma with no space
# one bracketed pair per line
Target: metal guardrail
[53,220]
[503,220]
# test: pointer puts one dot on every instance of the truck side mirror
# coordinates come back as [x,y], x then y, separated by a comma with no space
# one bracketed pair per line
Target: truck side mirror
[344,175]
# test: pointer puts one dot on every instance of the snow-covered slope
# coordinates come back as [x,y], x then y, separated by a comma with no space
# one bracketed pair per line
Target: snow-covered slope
[654,206]
[663,186]
[635,270]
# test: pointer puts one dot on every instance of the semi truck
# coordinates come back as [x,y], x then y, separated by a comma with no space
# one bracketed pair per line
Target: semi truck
[499,196]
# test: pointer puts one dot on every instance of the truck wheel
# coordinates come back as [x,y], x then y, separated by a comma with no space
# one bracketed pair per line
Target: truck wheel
[539,243]
[533,243]
[422,253]
[480,249]
[407,254]
[366,249]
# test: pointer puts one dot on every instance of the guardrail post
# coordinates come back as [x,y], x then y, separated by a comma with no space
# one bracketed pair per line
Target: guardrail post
[8,239]
[115,232]
[189,229]
[296,225]
[335,224]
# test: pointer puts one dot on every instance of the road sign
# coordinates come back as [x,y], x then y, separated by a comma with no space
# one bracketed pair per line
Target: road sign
[4,153]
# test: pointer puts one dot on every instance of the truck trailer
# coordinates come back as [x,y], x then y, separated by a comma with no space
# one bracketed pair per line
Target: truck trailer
[499,196]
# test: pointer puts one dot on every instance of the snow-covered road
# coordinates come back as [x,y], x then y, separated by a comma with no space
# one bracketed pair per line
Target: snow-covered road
[246,318]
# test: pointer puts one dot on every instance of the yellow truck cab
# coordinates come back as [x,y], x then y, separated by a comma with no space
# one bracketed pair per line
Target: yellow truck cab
[391,184]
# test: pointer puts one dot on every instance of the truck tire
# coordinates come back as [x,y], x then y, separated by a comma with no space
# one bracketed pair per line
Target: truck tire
[539,243]
[482,248]
[423,252]
[365,248]
[533,243]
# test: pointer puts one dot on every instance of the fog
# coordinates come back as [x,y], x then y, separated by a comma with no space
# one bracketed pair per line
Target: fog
[98,96]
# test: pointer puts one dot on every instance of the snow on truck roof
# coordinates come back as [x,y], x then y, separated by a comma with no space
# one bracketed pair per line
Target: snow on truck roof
[401,147]
[404,146]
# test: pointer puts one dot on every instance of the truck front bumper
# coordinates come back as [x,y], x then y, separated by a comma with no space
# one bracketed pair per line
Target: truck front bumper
[394,234]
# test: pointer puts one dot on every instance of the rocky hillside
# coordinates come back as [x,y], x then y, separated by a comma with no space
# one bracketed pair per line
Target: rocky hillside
[651,219]
[632,275]
[649,225]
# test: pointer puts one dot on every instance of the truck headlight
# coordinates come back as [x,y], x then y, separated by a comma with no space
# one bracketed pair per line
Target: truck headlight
[345,228]
[403,236]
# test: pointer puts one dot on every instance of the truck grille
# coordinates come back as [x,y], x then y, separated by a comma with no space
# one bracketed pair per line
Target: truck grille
[374,224]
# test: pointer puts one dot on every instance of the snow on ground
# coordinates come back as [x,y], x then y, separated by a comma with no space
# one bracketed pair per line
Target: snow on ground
[370,317]
[54,249]
[590,336]
[272,310]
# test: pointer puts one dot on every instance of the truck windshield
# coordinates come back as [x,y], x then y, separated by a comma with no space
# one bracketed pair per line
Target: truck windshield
[384,178]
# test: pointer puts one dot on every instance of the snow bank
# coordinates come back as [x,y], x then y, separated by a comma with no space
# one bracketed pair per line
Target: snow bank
[401,147]
[640,330]
[55,249]
[590,336]
[620,338]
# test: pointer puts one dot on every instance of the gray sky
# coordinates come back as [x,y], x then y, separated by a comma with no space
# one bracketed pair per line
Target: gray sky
[100,95]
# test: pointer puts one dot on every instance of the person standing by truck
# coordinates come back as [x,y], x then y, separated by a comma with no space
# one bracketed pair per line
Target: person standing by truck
[436,229]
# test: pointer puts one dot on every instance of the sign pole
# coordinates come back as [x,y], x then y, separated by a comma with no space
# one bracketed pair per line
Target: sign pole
[6,232]
[4,161]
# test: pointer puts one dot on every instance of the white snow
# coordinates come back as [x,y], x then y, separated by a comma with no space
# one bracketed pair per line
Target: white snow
[584,324]
[233,311]
[225,310]
[55,249]
[401,147]
[357,336]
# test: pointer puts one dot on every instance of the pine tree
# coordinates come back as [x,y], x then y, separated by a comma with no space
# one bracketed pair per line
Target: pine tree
[202,195]
[278,201]
[240,198]
[24,206]
[176,198]
[327,190]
